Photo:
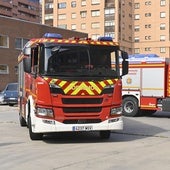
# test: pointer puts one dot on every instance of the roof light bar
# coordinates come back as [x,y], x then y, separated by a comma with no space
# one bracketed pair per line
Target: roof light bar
[52,35]
[105,39]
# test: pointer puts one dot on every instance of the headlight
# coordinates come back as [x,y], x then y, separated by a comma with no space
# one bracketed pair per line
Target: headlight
[108,89]
[44,112]
[117,110]
[55,89]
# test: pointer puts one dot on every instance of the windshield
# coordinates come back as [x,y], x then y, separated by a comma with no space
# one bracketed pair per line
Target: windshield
[78,61]
[11,87]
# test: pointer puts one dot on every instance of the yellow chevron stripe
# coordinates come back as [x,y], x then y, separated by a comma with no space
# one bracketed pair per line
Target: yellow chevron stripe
[95,87]
[102,83]
[110,81]
[53,81]
[46,78]
[81,87]
[71,86]
[62,83]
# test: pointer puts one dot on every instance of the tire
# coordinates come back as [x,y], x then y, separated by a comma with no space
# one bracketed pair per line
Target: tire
[22,121]
[130,107]
[105,134]
[33,136]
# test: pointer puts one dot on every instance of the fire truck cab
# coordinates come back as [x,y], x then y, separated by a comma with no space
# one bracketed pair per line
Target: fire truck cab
[70,85]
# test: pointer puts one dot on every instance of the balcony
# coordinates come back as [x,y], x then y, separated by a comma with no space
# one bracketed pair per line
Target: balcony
[6,12]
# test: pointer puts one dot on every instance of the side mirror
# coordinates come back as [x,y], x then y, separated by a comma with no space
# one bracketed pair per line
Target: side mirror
[125,63]
[124,55]
[125,67]
[27,64]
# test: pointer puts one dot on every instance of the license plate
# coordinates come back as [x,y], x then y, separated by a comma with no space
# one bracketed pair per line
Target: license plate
[82,128]
[12,98]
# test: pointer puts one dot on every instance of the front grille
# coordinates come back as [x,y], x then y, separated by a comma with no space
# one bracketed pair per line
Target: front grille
[82,101]
[82,121]
[82,109]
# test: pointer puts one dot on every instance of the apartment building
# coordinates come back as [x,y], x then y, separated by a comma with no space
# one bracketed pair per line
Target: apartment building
[139,26]
[14,33]
[28,10]
[95,17]
[151,27]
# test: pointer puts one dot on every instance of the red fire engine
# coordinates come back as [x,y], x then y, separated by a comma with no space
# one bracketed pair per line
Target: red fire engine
[69,85]
[146,88]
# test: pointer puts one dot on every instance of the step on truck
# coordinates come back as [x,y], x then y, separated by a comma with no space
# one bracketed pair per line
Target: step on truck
[146,88]
[70,85]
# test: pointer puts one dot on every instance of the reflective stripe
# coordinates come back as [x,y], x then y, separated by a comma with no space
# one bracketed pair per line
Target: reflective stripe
[81,88]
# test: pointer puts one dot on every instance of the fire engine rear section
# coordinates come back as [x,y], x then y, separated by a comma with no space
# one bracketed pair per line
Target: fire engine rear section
[146,88]
[69,85]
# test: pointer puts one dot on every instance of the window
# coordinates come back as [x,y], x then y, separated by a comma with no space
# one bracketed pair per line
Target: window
[137,16]
[137,28]
[61,5]
[110,34]
[95,13]
[73,4]
[73,15]
[73,27]
[48,16]
[147,14]
[162,49]
[137,5]
[95,25]
[162,15]
[148,3]
[4,69]
[109,23]
[62,16]
[148,26]
[162,26]
[130,38]
[83,14]
[162,37]
[148,49]
[48,5]
[109,11]
[137,50]
[95,36]
[4,41]
[95,2]
[64,26]
[148,37]
[20,42]
[136,39]
[83,26]
[83,2]
[163,2]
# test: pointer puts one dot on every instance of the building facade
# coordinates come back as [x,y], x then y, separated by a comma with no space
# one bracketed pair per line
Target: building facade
[14,33]
[139,26]
[29,10]
[97,17]
[151,27]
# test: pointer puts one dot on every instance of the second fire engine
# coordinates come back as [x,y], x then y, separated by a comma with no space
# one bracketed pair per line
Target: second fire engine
[146,88]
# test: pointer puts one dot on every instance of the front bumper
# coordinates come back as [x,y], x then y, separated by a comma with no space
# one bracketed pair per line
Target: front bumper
[40,125]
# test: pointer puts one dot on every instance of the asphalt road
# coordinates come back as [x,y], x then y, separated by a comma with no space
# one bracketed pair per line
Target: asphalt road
[144,144]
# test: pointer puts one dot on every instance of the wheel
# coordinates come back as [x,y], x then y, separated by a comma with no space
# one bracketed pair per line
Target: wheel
[105,134]
[33,136]
[130,107]
[22,121]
